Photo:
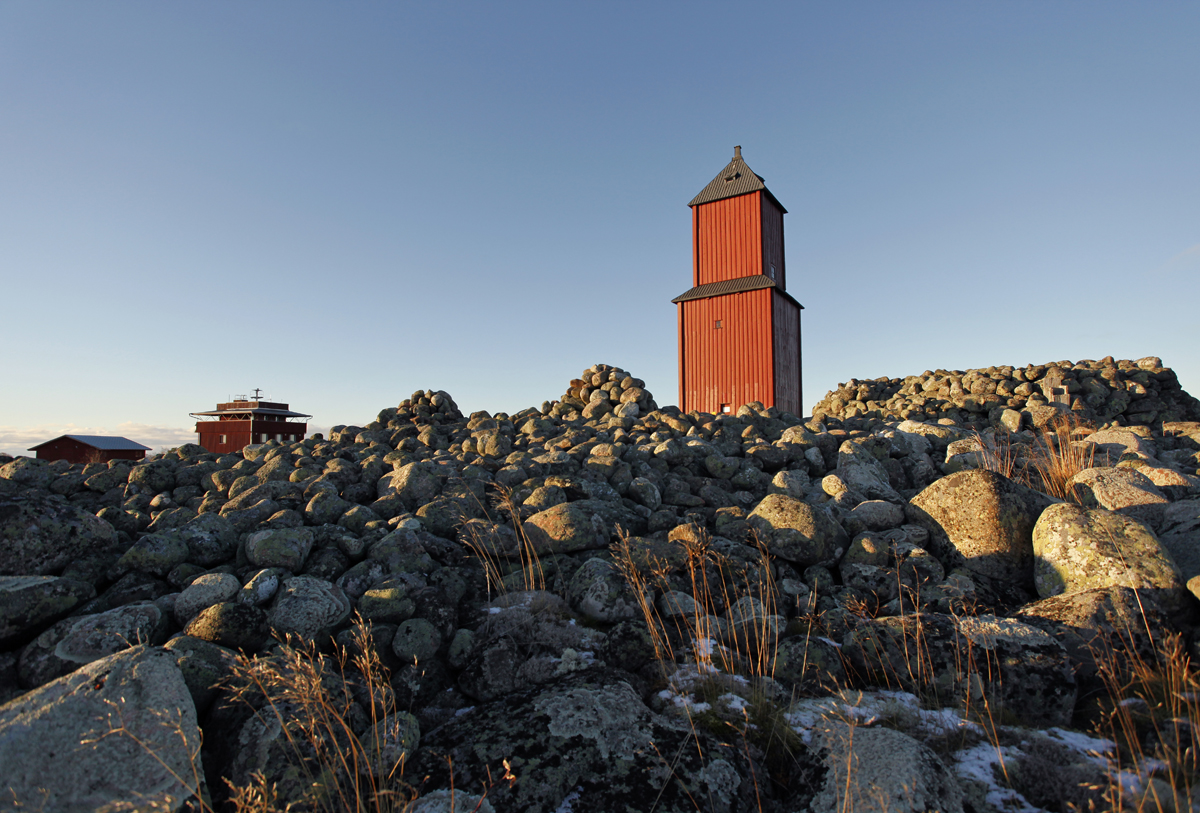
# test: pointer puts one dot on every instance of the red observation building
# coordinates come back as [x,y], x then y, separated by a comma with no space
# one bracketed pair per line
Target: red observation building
[739,329]
[245,421]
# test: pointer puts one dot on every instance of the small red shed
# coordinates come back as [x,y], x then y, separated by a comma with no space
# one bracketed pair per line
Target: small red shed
[244,421]
[739,329]
[90,449]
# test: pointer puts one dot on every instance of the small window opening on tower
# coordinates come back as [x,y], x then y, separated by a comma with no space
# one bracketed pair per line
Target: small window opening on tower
[717,325]
[772,272]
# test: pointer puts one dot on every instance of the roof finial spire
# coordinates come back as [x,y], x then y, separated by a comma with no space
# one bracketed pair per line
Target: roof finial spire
[737,152]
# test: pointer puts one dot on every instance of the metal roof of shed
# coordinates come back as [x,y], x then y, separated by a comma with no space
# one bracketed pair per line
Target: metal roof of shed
[736,179]
[732,286]
[107,443]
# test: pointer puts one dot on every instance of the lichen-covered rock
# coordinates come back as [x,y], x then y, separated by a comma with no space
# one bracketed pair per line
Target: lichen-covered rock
[76,641]
[284,548]
[808,664]
[40,534]
[210,538]
[982,520]
[28,603]
[1099,626]
[589,743]
[308,607]
[205,591]
[863,472]
[798,532]
[1019,668]
[568,528]
[415,484]
[118,734]
[1080,549]
[29,472]
[599,591]
[883,771]
[388,601]
[326,508]
[232,625]
[416,641]
[523,642]
[157,554]
[1125,491]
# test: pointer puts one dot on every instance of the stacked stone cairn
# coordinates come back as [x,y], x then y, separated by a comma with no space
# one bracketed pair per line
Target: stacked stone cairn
[491,555]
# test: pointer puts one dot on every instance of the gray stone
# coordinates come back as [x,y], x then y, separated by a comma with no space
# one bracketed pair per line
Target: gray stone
[205,591]
[881,771]
[121,731]
[567,528]
[156,554]
[204,666]
[1022,670]
[40,534]
[863,473]
[284,548]
[1079,549]
[793,483]
[1126,491]
[600,592]
[308,607]
[231,625]
[210,538]
[73,642]
[416,641]
[28,603]
[326,508]
[874,515]
[797,531]
[983,520]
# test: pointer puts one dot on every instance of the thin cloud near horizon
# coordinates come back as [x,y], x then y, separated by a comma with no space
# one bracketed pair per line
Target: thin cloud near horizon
[16,440]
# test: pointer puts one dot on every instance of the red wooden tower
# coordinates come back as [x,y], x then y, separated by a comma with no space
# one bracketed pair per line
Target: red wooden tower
[739,329]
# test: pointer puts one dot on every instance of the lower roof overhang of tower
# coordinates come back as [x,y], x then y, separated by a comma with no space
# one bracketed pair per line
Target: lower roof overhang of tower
[734,286]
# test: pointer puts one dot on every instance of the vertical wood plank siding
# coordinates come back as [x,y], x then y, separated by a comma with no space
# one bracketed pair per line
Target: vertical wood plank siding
[732,364]
[787,355]
[772,240]
[727,243]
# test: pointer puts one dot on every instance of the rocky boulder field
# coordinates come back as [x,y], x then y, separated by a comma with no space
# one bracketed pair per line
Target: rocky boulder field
[606,605]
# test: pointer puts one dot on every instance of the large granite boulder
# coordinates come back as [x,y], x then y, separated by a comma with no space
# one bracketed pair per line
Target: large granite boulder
[41,534]
[797,531]
[1079,549]
[117,734]
[983,521]
[568,528]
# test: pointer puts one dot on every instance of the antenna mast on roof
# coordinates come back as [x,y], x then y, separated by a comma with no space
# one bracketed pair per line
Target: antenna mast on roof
[257,395]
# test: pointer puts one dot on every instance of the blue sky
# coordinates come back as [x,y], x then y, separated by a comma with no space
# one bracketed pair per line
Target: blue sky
[342,203]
